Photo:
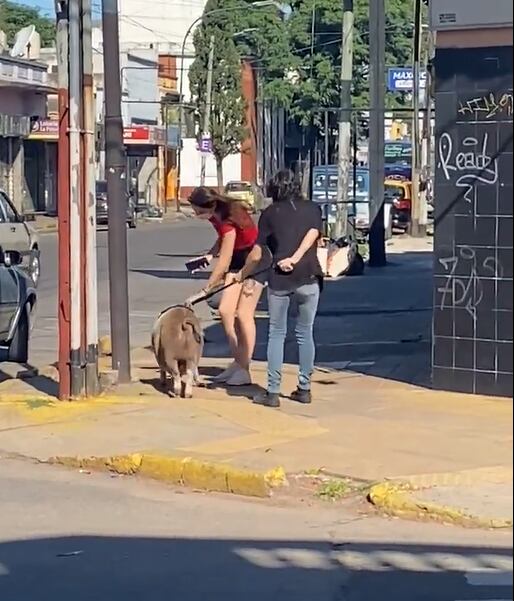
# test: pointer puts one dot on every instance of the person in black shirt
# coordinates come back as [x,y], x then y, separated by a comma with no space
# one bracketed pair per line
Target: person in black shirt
[290,228]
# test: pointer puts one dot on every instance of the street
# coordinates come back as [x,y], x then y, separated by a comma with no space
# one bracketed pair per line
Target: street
[384,335]
[157,279]
[67,535]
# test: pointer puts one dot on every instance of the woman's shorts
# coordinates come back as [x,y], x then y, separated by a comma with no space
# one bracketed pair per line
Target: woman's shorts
[238,262]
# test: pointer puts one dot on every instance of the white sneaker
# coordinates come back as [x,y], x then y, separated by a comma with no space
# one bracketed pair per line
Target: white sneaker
[224,376]
[241,377]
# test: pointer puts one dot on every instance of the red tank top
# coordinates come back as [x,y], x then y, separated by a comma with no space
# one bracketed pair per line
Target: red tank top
[245,237]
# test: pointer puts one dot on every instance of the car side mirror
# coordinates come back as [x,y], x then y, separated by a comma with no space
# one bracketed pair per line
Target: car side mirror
[11,258]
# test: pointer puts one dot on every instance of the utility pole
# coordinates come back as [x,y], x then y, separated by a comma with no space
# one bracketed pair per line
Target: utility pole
[345,117]
[63,203]
[418,228]
[75,128]
[208,105]
[377,254]
[89,224]
[115,167]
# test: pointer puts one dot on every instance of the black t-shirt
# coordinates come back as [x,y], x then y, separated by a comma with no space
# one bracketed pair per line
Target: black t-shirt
[282,228]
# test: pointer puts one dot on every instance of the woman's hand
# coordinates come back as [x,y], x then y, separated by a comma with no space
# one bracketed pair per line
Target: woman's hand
[195,298]
[287,265]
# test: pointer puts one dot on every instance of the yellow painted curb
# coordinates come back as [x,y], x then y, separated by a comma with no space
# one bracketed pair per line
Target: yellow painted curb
[398,499]
[184,471]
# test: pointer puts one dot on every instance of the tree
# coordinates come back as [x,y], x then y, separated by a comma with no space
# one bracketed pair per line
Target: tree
[227,121]
[14,16]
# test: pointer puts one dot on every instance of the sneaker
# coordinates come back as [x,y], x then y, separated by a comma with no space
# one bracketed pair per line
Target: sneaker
[302,396]
[241,377]
[267,399]
[224,376]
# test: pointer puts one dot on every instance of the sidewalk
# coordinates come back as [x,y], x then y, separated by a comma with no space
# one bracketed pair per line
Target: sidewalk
[376,421]
[45,224]
[360,426]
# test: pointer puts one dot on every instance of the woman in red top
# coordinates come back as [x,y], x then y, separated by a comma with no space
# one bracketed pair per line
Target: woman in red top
[237,234]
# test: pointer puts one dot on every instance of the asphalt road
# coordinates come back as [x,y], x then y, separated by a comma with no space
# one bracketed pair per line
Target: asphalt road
[157,279]
[67,536]
[380,322]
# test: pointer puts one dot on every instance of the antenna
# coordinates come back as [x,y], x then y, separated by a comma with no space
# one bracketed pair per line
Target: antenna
[23,41]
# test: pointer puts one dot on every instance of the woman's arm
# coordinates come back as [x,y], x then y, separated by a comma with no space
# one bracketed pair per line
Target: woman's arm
[309,240]
[226,250]
[253,259]
[214,252]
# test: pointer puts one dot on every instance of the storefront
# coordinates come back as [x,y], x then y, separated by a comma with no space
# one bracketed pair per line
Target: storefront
[41,166]
[23,100]
[145,162]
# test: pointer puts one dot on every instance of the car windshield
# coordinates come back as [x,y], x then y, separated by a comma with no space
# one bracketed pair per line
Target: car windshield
[398,154]
[238,187]
[101,187]
[394,192]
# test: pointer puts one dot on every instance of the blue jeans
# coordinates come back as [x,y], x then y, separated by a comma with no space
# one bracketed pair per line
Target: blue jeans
[307,299]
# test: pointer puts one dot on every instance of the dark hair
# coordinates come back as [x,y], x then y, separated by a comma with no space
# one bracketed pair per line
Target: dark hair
[226,208]
[284,185]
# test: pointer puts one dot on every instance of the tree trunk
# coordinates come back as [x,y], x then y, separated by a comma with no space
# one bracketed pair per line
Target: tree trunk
[219,172]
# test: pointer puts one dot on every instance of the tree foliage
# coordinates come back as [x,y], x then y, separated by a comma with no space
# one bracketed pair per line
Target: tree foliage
[14,16]
[299,61]
[227,121]
[315,38]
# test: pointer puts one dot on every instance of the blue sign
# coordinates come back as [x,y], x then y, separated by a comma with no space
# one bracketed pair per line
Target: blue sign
[401,79]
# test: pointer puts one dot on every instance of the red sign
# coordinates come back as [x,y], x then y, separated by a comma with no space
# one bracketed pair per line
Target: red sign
[136,134]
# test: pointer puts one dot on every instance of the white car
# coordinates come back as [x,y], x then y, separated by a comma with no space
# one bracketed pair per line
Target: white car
[16,235]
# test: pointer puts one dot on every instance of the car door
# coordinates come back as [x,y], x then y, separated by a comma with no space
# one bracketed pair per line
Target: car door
[13,234]
[9,299]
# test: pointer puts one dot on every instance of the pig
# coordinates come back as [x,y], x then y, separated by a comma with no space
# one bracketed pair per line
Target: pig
[177,342]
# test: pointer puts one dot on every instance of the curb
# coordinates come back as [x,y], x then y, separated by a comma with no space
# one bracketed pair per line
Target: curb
[398,500]
[184,471]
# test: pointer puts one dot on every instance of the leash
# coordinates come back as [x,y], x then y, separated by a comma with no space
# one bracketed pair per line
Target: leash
[219,289]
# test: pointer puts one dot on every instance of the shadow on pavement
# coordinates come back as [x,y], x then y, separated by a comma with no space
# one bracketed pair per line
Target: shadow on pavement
[37,382]
[377,324]
[83,568]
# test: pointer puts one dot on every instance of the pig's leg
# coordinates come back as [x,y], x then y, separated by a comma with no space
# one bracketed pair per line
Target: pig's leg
[163,377]
[189,379]
[176,384]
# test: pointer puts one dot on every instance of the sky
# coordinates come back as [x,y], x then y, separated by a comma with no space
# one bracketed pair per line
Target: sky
[46,6]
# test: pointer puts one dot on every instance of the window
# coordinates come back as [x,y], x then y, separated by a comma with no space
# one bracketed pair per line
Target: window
[8,213]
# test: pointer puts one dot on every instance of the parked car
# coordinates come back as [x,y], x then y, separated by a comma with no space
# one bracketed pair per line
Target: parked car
[246,192]
[398,194]
[17,308]
[17,235]
[102,213]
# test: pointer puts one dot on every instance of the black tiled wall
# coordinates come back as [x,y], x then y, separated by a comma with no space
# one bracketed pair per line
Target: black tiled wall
[472,349]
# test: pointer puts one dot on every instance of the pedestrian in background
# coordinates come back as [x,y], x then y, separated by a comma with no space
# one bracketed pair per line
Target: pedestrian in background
[290,228]
[237,234]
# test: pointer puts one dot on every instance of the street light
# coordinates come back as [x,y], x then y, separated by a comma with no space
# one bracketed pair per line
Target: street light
[285,12]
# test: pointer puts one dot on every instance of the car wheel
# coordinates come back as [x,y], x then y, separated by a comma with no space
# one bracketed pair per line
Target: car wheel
[35,266]
[19,347]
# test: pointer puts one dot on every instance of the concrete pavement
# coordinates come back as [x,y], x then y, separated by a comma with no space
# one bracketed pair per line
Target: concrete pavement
[360,426]
[373,418]
[65,535]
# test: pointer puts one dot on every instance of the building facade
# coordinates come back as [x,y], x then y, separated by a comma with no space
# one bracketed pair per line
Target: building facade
[473,283]
[24,87]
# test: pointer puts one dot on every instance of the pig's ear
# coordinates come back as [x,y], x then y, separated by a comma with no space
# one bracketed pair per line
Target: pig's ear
[197,332]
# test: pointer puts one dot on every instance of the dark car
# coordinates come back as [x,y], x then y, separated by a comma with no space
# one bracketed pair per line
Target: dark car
[17,308]
[102,216]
